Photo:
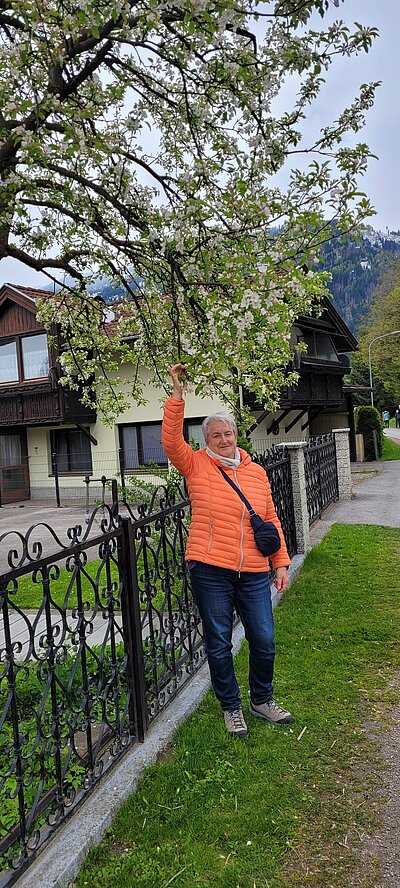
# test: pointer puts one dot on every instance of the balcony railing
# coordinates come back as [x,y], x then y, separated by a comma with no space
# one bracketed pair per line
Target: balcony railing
[39,404]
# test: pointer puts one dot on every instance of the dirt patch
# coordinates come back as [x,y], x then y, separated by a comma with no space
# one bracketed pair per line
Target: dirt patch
[384,844]
[118,849]
[166,754]
[362,855]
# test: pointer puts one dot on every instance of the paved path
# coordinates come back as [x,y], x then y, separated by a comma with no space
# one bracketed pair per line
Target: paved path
[375,499]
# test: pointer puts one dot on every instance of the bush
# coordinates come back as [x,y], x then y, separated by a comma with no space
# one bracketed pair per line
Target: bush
[368,421]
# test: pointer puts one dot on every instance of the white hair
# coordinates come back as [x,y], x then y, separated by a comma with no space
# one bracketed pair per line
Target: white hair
[218,417]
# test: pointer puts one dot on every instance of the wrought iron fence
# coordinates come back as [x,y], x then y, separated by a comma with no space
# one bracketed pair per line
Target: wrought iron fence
[321,474]
[276,462]
[94,641]
[171,630]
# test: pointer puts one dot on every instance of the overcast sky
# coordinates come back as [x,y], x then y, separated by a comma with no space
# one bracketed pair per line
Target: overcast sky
[382,130]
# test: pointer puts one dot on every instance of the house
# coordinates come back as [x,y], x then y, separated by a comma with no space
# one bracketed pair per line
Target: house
[320,401]
[45,431]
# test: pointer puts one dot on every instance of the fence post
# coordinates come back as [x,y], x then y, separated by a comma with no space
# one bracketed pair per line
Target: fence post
[56,479]
[343,462]
[121,459]
[302,521]
[86,481]
[132,628]
[103,480]
[114,496]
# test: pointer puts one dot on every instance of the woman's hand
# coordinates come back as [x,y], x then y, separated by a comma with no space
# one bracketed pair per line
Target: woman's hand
[281,579]
[175,372]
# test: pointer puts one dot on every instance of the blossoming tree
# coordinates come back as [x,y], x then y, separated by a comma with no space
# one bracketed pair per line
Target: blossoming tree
[141,141]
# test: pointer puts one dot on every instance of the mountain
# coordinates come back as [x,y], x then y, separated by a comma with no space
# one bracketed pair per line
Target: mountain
[356,266]
[111,292]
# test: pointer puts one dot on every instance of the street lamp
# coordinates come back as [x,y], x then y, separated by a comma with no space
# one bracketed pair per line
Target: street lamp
[382,336]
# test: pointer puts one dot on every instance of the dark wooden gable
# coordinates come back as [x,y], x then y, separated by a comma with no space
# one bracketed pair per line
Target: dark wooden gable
[17,313]
[331,322]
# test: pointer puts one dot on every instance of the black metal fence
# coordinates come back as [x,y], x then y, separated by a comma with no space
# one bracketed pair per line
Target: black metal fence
[321,474]
[97,635]
[276,462]
[94,641]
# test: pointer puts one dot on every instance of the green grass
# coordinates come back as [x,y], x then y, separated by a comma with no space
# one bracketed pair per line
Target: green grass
[29,593]
[286,806]
[391,450]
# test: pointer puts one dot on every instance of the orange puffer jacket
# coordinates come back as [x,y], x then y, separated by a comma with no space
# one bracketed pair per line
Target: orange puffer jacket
[220,530]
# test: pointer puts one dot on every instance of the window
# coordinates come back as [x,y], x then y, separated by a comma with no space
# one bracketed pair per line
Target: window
[141,445]
[130,447]
[325,347]
[72,451]
[8,362]
[320,345]
[152,450]
[193,432]
[35,356]
[25,357]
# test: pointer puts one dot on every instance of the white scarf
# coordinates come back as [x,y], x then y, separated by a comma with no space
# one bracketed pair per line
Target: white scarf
[225,460]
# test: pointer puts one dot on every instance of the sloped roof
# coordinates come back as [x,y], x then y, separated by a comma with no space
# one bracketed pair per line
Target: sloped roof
[29,292]
[331,322]
[28,297]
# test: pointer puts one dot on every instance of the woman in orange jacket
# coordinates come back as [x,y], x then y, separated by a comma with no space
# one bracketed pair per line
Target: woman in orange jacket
[226,567]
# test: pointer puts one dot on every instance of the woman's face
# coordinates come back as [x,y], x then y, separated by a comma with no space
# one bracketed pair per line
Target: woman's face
[221,438]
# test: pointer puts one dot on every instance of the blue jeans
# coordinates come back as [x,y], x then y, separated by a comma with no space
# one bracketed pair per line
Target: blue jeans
[217,591]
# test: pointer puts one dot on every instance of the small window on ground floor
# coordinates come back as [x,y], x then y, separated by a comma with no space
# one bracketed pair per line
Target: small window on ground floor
[72,450]
[141,445]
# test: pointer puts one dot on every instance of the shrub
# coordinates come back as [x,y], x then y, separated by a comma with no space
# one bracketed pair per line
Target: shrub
[368,421]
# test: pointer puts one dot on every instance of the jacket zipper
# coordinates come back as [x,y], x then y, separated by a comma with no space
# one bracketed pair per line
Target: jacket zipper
[241,525]
[211,536]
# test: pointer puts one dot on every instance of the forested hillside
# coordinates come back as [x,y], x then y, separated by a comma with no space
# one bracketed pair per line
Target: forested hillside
[356,266]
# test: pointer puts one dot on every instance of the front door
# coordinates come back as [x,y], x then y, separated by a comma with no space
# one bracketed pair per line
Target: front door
[14,469]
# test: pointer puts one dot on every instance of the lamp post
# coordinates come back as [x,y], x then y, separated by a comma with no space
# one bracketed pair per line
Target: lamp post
[382,336]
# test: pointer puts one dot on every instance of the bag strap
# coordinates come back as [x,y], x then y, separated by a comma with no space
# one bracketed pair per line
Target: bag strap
[238,491]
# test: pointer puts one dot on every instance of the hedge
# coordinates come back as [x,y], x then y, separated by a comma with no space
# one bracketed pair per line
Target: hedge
[368,421]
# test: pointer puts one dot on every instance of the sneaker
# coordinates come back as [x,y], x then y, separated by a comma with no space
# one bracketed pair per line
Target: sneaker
[235,723]
[272,712]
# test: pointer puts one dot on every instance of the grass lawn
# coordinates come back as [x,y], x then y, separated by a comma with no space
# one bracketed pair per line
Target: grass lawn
[29,595]
[391,450]
[285,807]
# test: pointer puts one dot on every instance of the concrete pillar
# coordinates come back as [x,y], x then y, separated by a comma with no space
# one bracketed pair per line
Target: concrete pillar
[343,462]
[296,453]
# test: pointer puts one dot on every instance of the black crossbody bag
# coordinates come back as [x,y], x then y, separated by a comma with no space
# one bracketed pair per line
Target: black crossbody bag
[265,533]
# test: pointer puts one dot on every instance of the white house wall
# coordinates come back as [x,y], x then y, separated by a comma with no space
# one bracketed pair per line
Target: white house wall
[153,410]
[261,440]
[105,459]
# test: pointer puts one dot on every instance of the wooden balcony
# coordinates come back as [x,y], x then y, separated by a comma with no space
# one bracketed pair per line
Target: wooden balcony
[41,403]
[319,385]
